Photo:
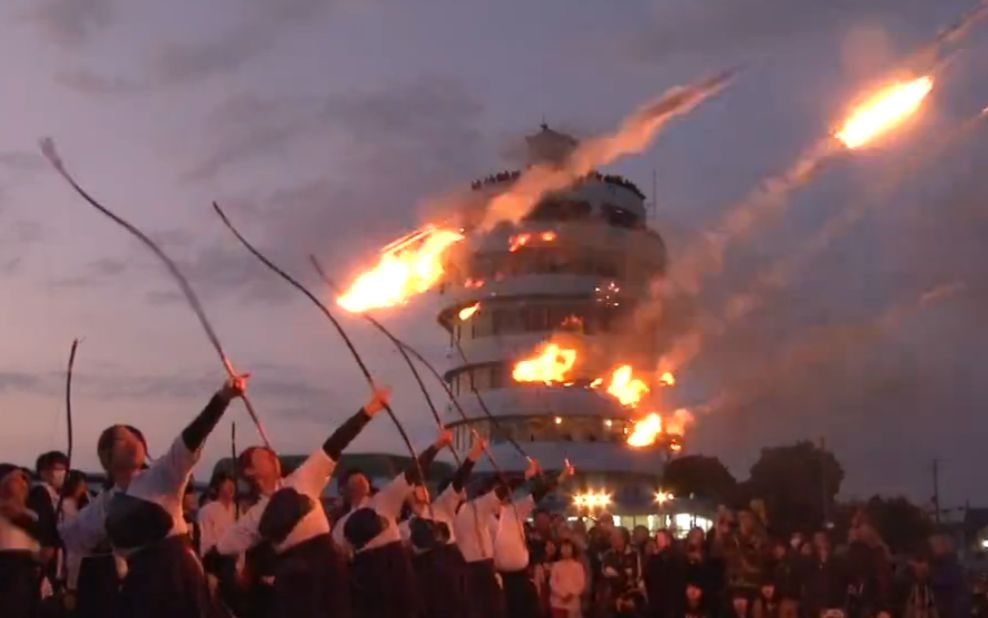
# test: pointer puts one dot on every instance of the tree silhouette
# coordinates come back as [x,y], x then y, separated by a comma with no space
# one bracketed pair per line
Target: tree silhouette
[798,484]
[705,477]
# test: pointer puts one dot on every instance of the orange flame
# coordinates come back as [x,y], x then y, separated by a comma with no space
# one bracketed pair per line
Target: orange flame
[884,111]
[518,241]
[572,322]
[408,266]
[646,431]
[597,382]
[550,365]
[667,379]
[473,284]
[679,421]
[467,312]
[628,389]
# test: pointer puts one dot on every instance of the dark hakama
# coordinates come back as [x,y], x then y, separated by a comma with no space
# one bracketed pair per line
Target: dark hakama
[165,580]
[384,584]
[441,577]
[485,599]
[98,587]
[20,579]
[521,600]
[311,581]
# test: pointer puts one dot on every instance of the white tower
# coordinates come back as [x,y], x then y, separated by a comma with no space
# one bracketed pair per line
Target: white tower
[584,280]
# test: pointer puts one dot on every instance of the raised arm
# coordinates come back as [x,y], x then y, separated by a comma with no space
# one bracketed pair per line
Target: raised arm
[311,477]
[451,497]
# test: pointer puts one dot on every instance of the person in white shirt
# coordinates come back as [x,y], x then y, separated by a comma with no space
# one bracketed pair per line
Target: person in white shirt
[20,590]
[567,582]
[310,576]
[383,582]
[438,564]
[510,545]
[143,517]
[218,514]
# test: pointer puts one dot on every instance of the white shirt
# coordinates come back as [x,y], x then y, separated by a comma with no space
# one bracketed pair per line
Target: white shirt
[568,578]
[164,483]
[14,538]
[470,524]
[386,503]
[87,529]
[308,479]
[214,518]
[443,511]
[73,558]
[510,548]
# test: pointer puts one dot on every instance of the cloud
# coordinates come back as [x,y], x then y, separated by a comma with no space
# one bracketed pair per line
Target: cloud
[70,23]
[684,27]
[12,381]
[95,273]
[88,82]
[21,161]
[227,52]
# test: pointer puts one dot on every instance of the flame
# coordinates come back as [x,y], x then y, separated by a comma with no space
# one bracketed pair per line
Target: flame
[550,365]
[628,389]
[677,423]
[410,265]
[467,312]
[667,379]
[884,111]
[473,284]
[518,241]
[646,431]
[597,382]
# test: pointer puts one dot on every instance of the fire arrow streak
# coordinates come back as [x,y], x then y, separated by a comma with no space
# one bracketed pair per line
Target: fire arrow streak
[339,328]
[48,149]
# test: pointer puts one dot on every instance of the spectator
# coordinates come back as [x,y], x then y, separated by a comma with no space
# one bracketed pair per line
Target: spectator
[665,578]
[620,593]
[567,583]
[950,589]
[914,597]
[543,570]
[740,606]
[826,584]
[695,601]
[639,538]
[768,604]
[870,572]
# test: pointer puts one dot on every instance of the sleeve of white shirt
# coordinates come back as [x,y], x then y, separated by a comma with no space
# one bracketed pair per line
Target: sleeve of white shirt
[487,504]
[170,472]
[88,529]
[389,500]
[524,507]
[207,528]
[243,534]
[311,477]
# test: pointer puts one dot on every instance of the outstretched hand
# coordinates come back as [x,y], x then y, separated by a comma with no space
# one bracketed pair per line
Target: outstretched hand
[235,386]
[444,437]
[478,448]
[567,472]
[532,469]
[378,400]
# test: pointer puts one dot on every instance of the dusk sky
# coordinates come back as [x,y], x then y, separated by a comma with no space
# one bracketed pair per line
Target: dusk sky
[326,126]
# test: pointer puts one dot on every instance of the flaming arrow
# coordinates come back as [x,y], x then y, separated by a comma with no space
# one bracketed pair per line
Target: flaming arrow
[336,324]
[48,149]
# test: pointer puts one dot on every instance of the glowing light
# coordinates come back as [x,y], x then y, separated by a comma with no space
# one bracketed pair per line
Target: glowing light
[407,267]
[597,382]
[667,379]
[559,420]
[518,241]
[646,431]
[884,111]
[608,423]
[661,497]
[467,312]
[592,500]
[473,284]
[625,388]
[550,365]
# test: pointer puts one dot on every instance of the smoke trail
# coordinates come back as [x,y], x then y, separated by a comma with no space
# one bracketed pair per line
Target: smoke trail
[634,134]
[780,273]
[835,341]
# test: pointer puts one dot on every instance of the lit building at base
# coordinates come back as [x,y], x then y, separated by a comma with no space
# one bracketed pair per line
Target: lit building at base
[574,270]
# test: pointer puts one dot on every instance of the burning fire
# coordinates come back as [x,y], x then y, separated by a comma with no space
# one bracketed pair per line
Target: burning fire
[466,313]
[572,322]
[667,379]
[408,266]
[550,365]
[626,388]
[884,111]
[677,423]
[646,431]
[518,241]
[473,284]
